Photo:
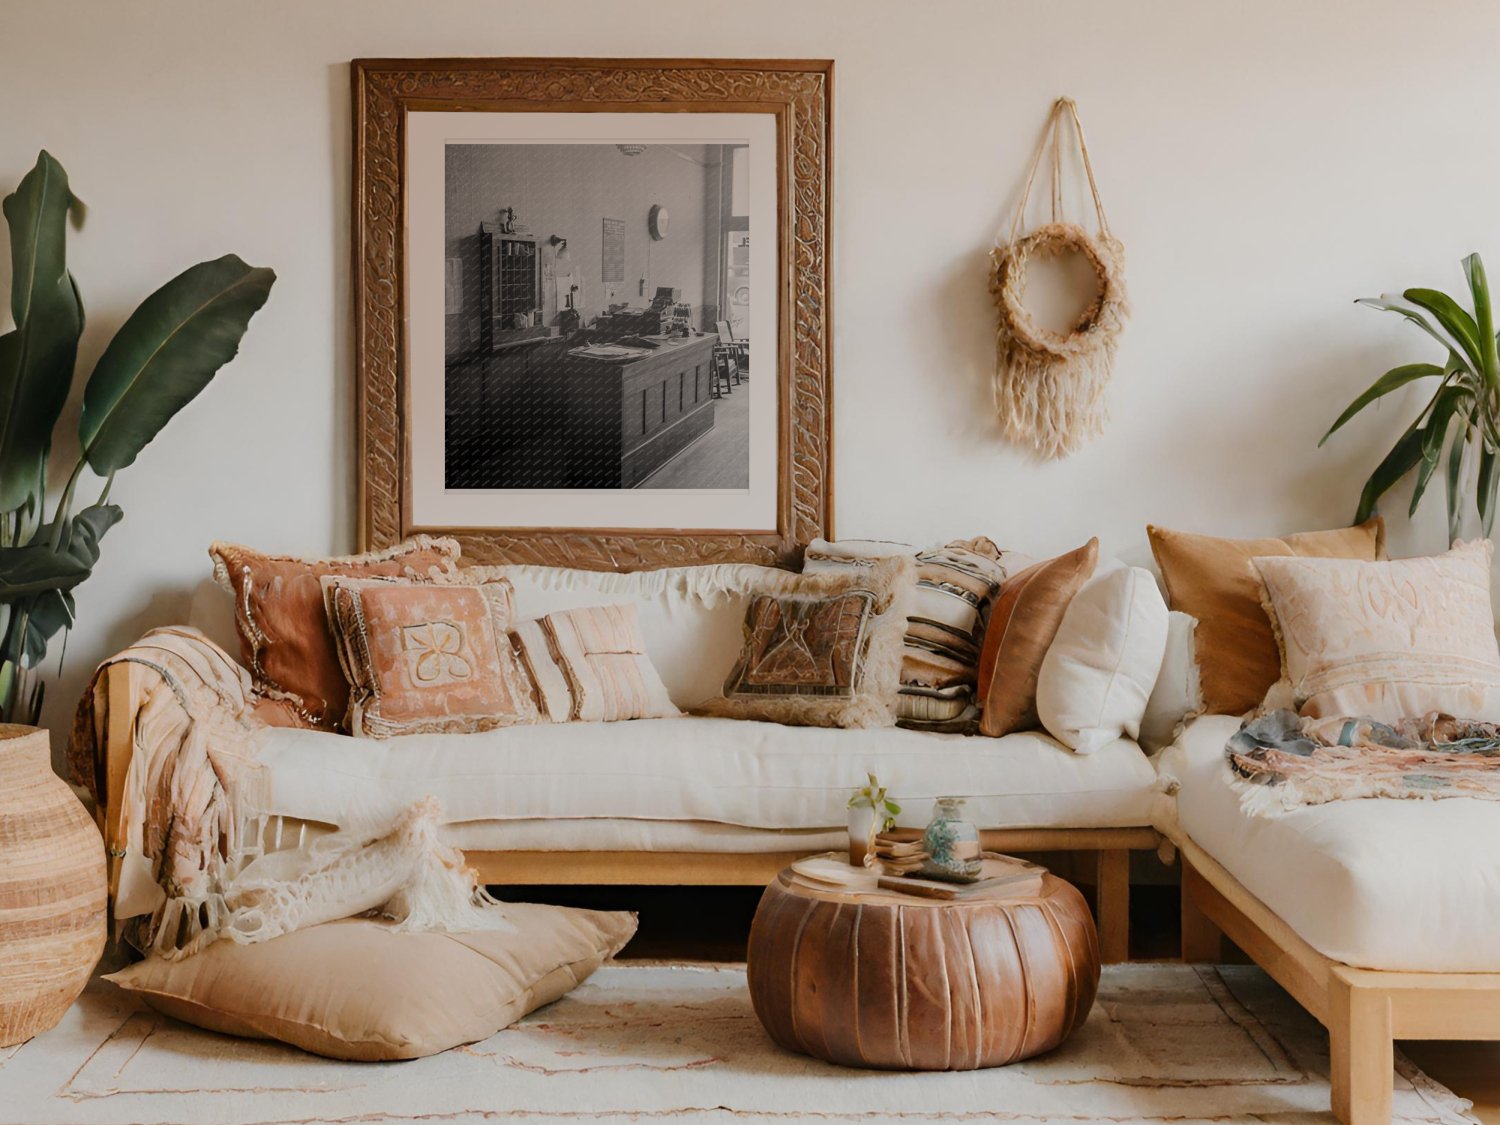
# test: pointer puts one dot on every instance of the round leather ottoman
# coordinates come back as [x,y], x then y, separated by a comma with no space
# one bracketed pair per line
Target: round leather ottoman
[882,979]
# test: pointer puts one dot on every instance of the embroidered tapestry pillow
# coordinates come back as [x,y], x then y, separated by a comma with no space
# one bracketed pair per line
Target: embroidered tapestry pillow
[1025,619]
[1213,580]
[1388,640]
[425,657]
[357,989]
[956,584]
[590,665]
[823,649]
[284,635]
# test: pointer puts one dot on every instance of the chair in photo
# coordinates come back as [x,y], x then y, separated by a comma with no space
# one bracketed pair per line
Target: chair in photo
[740,348]
[726,372]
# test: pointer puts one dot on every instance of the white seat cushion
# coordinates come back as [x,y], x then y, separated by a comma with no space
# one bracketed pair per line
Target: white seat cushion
[1379,884]
[730,771]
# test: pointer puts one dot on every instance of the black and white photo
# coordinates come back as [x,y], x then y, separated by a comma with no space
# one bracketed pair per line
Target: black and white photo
[597,312]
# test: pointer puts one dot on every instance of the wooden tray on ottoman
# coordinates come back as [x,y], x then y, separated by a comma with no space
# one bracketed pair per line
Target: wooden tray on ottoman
[882,979]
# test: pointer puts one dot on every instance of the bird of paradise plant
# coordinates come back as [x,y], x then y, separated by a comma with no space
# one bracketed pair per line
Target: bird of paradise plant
[162,356]
[1457,427]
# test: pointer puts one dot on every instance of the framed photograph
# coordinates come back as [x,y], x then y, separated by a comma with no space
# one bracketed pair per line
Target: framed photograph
[592,307]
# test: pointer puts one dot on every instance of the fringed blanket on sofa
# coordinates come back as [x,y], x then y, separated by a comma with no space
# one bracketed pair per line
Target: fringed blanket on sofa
[1281,761]
[190,842]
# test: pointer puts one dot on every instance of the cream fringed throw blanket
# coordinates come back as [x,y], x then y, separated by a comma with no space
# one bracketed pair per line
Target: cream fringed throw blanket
[192,845]
[1280,761]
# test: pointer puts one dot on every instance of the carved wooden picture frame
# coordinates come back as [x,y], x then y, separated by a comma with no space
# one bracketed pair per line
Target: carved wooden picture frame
[796,94]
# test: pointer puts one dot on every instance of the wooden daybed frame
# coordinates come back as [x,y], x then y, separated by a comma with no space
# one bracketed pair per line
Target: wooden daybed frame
[1111,846]
[1364,1010]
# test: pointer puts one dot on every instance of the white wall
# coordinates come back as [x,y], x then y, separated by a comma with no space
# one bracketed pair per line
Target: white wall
[1264,164]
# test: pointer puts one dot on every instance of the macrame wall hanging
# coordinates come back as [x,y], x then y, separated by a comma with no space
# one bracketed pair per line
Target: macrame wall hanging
[1049,386]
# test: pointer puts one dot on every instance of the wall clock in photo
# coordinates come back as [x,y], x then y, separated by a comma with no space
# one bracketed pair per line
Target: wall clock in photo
[656,222]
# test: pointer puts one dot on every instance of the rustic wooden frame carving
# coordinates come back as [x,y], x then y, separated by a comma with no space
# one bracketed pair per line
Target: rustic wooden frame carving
[796,91]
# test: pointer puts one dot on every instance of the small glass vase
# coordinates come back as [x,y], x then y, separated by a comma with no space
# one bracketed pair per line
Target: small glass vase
[951,843]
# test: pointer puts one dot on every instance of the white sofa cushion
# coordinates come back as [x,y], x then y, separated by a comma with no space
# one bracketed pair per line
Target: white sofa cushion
[1378,884]
[1101,665]
[731,771]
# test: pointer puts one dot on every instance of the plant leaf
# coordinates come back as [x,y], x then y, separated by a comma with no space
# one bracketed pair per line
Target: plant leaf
[1391,302]
[1454,319]
[37,356]
[35,568]
[1488,480]
[168,351]
[1455,475]
[1484,316]
[1393,379]
[1402,458]
[1445,404]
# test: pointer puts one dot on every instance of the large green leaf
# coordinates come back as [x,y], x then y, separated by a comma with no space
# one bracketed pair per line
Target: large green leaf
[1394,379]
[1402,458]
[35,568]
[164,355]
[37,356]
[1454,319]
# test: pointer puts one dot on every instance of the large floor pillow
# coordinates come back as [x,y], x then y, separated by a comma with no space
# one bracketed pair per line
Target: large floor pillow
[358,990]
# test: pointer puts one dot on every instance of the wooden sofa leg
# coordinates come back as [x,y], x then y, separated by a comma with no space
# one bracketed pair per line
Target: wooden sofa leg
[1361,1052]
[1112,886]
[1202,941]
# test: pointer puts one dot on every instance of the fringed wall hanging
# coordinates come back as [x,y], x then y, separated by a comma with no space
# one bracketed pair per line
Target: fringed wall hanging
[1049,386]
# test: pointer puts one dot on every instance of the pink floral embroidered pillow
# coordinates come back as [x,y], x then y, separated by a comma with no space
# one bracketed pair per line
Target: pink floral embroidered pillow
[425,657]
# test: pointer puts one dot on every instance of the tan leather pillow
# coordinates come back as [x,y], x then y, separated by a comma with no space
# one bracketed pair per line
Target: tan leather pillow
[1214,580]
[1023,623]
[356,990]
[427,657]
[285,640]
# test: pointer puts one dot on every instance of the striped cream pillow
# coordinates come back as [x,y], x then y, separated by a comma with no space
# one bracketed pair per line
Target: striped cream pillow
[590,665]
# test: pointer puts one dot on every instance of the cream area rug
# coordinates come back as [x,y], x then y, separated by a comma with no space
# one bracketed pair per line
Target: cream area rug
[647,1042]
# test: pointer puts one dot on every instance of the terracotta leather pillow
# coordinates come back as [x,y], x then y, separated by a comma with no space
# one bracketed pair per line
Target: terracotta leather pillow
[427,657]
[1215,581]
[1023,622]
[285,640]
[357,990]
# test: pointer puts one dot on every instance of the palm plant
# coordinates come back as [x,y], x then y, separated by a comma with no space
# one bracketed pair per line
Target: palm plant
[163,355]
[1458,426]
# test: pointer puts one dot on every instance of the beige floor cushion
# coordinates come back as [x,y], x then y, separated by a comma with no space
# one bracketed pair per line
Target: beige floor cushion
[358,990]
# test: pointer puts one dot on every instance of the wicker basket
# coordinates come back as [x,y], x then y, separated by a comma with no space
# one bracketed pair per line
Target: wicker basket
[52,889]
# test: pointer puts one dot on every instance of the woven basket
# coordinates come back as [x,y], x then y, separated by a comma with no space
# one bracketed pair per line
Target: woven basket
[52,889]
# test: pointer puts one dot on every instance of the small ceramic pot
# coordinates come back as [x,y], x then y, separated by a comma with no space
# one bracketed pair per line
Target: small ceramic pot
[861,832]
[951,843]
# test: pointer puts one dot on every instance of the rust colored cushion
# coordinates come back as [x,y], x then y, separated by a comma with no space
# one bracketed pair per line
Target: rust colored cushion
[284,635]
[824,649]
[1215,581]
[1022,624]
[359,990]
[427,657]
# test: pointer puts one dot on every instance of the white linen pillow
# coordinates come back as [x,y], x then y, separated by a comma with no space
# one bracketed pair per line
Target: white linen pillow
[1178,694]
[1388,640]
[1100,669]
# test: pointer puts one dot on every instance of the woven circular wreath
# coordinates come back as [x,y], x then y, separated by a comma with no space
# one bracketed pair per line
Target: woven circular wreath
[1096,326]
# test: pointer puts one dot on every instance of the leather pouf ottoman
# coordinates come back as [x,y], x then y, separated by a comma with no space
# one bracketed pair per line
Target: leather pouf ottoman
[889,980]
